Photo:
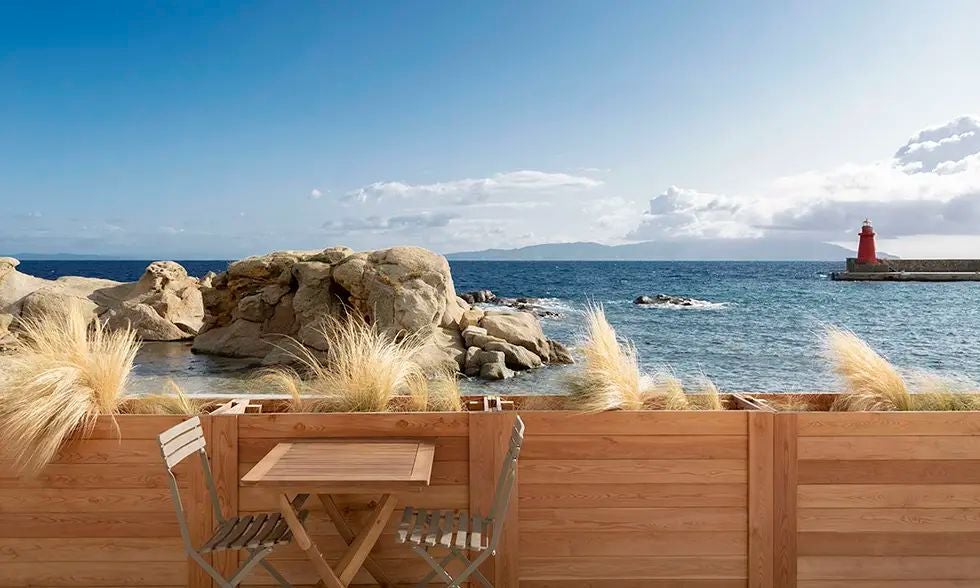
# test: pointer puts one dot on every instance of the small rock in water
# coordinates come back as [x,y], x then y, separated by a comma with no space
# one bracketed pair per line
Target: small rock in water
[664,299]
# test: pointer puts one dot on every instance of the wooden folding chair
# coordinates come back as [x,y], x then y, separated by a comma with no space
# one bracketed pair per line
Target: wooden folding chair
[459,531]
[255,534]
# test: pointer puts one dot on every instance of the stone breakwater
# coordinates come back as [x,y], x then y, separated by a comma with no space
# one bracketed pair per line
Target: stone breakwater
[911,270]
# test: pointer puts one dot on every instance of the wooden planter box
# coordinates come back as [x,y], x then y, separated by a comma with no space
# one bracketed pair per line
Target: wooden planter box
[625,499]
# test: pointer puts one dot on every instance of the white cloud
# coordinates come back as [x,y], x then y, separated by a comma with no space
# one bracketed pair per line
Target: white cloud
[474,190]
[930,187]
[316,194]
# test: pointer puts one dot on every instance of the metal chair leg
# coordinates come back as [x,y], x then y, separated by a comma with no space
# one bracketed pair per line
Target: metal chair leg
[425,581]
[476,572]
[438,569]
[471,569]
[275,574]
[245,568]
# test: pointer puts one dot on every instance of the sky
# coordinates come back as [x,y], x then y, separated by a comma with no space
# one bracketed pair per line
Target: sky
[217,130]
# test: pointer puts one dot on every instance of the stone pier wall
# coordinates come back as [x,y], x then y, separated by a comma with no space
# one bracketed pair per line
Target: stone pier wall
[915,265]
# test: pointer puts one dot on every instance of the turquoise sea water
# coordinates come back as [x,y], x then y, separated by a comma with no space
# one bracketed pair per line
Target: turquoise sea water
[757,329]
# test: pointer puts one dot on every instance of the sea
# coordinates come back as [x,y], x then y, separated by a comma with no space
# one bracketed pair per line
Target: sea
[753,326]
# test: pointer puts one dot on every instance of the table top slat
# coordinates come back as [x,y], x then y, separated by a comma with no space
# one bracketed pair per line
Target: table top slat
[331,465]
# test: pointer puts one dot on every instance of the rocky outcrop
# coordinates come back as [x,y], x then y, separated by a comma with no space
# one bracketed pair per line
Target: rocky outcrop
[165,304]
[263,303]
[531,305]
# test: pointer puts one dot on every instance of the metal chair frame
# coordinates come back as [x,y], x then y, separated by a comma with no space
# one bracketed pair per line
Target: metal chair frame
[177,444]
[493,521]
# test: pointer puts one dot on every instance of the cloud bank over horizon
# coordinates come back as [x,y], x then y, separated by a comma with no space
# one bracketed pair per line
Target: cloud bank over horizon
[931,186]
[923,197]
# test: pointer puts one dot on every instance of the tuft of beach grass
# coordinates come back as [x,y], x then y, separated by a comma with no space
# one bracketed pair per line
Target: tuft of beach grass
[871,383]
[610,377]
[363,370]
[172,400]
[63,372]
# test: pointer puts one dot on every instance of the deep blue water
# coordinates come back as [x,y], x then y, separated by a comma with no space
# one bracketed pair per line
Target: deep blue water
[758,332]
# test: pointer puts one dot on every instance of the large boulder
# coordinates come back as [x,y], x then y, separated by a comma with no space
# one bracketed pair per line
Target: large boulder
[402,290]
[165,304]
[517,328]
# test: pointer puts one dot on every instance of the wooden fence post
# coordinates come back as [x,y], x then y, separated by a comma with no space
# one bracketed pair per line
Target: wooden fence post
[224,464]
[489,442]
[784,500]
[760,466]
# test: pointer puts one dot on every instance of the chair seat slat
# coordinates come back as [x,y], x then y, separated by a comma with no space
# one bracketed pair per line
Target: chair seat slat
[420,523]
[406,524]
[271,520]
[250,532]
[461,533]
[220,534]
[476,533]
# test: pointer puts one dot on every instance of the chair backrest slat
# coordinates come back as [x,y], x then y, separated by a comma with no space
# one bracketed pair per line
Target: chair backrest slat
[191,448]
[172,432]
[182,445]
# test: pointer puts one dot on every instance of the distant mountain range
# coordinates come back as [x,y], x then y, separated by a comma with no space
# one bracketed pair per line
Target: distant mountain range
[700,250]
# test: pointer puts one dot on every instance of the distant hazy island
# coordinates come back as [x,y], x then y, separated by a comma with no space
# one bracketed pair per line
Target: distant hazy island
[705,250]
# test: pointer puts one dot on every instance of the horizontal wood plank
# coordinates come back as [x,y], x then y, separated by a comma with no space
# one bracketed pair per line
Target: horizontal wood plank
[611,544]
[542,520]
[634,423]
[631,471]
[889,543]
[30,500]
[888,496]
[354,425]
[906,447]
[85,549]
[898,520]
[889,472]
[93,525]
[447,448]
[812,567]
[260,499]
[877,424]
[628,583]
[98,476]
[630,495]
[99,573]
[612,447]
[443,472]
[636,567]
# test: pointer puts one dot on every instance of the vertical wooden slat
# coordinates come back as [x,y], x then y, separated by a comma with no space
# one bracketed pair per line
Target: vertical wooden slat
[489,442]
[761,544]
[199,515]
[224,465]
[784,500]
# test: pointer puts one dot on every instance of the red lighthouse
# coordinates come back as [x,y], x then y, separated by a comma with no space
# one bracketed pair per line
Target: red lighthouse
[866,246]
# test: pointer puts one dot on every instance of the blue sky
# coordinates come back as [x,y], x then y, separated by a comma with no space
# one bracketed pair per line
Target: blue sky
[216,130]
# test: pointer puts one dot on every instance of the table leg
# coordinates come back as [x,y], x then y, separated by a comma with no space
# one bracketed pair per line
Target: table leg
[348,535]
[360,548]
[302,538]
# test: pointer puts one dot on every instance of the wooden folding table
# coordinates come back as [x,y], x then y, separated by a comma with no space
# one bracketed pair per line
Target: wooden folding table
[343,466]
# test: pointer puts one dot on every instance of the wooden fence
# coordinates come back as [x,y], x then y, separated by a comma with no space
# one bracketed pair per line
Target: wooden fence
[625,499]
